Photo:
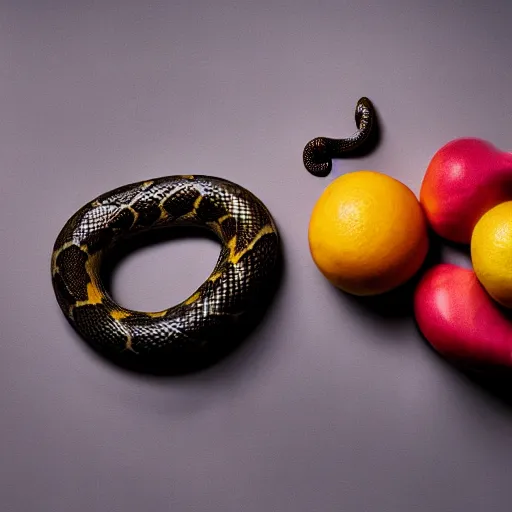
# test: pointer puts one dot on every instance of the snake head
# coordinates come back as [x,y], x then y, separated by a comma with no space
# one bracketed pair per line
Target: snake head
[364,109]
[317,158]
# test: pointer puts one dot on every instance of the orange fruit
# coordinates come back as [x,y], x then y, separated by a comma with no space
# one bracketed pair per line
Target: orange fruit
[368,233]
[491,247]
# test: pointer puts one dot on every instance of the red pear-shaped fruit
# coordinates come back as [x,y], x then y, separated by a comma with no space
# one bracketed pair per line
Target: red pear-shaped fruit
[464,179]
[460,320]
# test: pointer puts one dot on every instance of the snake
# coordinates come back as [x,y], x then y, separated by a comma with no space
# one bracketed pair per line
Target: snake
[249,250]
[319,152]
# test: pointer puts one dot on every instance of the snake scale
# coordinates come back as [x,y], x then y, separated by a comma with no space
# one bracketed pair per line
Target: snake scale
[249,250]
[319,152]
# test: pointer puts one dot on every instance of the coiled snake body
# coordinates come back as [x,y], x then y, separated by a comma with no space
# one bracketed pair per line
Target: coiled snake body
[249,250]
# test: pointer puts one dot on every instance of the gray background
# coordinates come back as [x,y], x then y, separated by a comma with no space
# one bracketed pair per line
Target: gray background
[331,404]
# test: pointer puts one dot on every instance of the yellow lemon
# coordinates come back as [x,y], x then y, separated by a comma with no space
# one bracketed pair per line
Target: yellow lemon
[491,252]
[368,233]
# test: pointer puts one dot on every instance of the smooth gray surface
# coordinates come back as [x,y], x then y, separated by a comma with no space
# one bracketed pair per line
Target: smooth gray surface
[329,405]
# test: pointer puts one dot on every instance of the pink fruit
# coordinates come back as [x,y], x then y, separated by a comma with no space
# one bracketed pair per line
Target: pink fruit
[460,320]
[464,179]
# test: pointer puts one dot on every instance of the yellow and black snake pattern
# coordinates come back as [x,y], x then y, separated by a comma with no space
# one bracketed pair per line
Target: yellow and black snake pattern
[249,250]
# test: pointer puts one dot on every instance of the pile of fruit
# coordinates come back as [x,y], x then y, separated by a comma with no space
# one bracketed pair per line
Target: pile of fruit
[369,234]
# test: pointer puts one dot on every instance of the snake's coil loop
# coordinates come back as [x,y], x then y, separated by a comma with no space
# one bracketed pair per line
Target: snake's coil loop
[249,252]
